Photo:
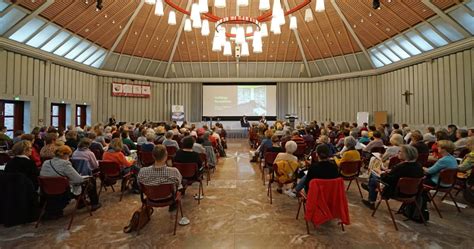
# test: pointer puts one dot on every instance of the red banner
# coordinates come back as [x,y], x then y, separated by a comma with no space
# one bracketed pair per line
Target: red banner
[130,90]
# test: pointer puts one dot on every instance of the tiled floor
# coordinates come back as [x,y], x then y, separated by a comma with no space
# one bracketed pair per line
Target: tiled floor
[236,213]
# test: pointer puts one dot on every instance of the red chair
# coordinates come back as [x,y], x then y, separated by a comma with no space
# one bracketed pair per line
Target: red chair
[447,177]
[350,171]
[410,189]
[423,159]
[300,151]
[394,161]
[268,160]
[190,174]
[146,158]
[54,186]
[110,173]
[161,196]
[203,157]
[171,153]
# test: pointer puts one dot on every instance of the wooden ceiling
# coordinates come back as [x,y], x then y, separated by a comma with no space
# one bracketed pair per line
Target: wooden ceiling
[151,37]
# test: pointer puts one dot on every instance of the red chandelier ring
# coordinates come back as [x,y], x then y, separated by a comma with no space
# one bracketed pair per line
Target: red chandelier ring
[238,20]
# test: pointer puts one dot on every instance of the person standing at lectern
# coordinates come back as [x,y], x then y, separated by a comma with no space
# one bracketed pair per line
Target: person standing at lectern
[112,120]
[244,122]
[263,120]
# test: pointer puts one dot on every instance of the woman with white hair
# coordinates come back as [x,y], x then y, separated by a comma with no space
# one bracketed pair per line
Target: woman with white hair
[383,162]
[287,165]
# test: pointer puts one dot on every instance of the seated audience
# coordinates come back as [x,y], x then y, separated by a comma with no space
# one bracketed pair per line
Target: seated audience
[187,155]
[35,155]
[429,136]
[461,135]
[452,130]
[114,153]
[364,139]
[61,166]
[84,153]
[127,141]
[376,143]
[323,139]
[264,145]
[324,168]
[197,146]
[351,154]
[435,155]
[407,168]
[275,145]
[5,140]
[21,163]
[142,138]
[48,150]
[149,144]
[468,162]
[447,161]
[168,141]
[295,136]
[17,136]
[418,143]
[159,173]
[290,148]
[71,139]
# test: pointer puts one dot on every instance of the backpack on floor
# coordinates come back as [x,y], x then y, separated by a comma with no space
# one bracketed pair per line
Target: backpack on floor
[139,219]
[410,211]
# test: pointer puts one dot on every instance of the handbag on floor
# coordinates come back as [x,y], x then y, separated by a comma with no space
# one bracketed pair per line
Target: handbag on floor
[139,219]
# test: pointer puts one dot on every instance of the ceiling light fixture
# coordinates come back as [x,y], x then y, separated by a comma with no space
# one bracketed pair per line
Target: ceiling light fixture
[376,4]
[240,29]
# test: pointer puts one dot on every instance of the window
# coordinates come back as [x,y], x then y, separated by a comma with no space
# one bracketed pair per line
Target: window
[58,115]
[419,41]
[464,18]
[42,36]
[27,30]
[9,19]
[84,55]
[94,57]
[63,49]
[11,116]
[430,34]
[3,5]
[77,50]
[55,42]
[81,115]
[408,46]
[447,30]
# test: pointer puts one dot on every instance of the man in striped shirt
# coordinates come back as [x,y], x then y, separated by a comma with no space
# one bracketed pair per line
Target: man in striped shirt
[159,173]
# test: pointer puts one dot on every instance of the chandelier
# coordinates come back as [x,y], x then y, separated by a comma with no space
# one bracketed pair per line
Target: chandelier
[242,28]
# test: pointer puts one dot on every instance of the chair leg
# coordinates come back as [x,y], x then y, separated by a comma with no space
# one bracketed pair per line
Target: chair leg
[444,196]
[307,226]
[434,204]
[348,186]
[208,176]
[358,186]
[299,207]
[79,199]
[176,218]
[263,175]
[43,209]
[455,203]
[419,212]
[270,191]
[180,209]
[376,207]
[342,226]
[391,215]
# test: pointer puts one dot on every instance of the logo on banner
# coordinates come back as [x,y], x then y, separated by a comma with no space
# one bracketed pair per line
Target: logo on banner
[130,90]
[177,114]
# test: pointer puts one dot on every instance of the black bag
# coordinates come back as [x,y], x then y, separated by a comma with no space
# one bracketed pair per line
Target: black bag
[410,211]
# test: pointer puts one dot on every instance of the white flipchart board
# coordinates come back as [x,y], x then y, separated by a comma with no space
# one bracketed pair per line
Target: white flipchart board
[362,117]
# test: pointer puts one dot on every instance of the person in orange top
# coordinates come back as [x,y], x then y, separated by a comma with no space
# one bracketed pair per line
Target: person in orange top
[114,153]
[351,154]
[435,155]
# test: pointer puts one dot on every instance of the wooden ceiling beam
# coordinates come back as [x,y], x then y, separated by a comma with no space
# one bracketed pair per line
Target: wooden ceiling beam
[351,31]
[298,41]
[178,35]
[122,33]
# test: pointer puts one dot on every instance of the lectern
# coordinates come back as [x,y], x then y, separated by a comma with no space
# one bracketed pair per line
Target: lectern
[291,118]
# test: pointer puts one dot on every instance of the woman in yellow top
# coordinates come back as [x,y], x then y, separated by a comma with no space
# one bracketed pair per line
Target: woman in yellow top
[351,154]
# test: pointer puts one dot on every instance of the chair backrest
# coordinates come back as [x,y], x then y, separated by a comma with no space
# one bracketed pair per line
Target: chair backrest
[349,169]
[422,158]
[187,170]
[380,150]
[409,186]
[300,150]
[109,168]
[171,150]
[393,161]
[447,177]
[203,158]
[53,185]
[147,158]
[270,157]
[158,192]
[97,153]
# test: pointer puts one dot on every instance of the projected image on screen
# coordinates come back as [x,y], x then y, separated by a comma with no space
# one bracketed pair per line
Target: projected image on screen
[238,100]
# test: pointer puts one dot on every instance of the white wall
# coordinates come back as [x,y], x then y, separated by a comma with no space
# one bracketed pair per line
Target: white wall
[442,94]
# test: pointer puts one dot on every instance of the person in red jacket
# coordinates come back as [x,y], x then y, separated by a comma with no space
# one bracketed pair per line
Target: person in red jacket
[35,155]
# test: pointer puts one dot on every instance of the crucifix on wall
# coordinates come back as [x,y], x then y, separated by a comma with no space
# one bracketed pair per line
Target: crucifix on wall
[407,94]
